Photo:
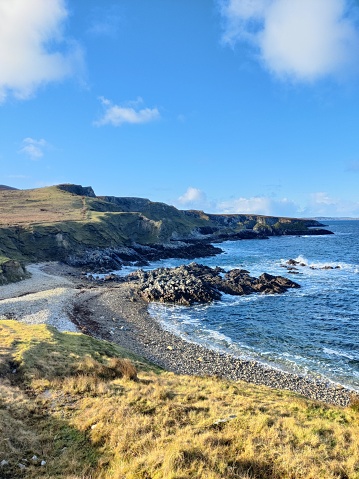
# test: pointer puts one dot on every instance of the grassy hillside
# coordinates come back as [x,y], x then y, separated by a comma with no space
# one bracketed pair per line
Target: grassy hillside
[89,409]
[55,222]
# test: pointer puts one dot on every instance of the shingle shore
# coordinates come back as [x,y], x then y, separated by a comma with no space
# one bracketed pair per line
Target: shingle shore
[115,313]
[131,326]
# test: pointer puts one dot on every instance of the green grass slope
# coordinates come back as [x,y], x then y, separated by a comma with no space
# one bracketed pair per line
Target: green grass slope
[55,222]
[73,407]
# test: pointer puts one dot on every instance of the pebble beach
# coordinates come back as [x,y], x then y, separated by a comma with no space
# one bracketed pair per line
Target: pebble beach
[56,295]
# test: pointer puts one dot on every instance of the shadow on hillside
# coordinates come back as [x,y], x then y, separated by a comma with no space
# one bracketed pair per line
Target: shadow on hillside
[28,423]
[33,415]
[33,432]
[252,469]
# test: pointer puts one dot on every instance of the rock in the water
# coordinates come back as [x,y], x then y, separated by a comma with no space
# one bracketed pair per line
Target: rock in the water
[195,283]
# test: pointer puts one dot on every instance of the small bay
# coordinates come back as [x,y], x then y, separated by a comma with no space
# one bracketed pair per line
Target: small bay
[313,330]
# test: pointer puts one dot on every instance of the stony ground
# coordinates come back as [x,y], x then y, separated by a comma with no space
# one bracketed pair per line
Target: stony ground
[43,298]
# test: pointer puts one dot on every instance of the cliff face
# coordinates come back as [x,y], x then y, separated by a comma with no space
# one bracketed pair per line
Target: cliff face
[65,221]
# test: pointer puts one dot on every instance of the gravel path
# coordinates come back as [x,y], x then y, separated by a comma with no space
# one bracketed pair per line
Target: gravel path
[43,298]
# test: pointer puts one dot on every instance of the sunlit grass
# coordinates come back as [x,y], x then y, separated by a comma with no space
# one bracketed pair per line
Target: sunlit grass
[91,410]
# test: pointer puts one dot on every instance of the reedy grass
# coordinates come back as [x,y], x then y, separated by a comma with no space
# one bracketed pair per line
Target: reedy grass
[93,410]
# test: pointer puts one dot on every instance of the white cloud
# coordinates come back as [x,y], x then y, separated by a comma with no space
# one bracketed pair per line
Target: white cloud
[33,50]
[130,113]
[260,205]
[322,198]
[34,149]
[322,204]
[315,204]
[192,197]
[302,40]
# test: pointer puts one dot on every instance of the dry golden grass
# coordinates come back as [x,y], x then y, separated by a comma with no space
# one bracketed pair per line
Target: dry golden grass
[86,418]
[42,205]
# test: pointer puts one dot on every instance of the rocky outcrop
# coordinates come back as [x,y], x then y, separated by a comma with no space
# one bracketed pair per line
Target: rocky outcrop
[78,190]
[107,259]
[312,232]
[195,283]
[12,271]
[292,265]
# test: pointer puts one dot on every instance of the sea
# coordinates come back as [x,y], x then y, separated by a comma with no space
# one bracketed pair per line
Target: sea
[312,331]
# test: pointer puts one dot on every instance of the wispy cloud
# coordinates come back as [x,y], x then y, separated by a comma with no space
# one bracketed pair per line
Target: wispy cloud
[33,149]
[131,112]
[322,204]
[353,167]
[19,177]
[105,21]
[33,50]
[301,40]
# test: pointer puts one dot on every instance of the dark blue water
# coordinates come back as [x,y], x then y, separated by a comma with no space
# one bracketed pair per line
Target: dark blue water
[312,330]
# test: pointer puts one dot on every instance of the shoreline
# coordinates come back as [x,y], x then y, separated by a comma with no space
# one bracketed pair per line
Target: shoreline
[115,313]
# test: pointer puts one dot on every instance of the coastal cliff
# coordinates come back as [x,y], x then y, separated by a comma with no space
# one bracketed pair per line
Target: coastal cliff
[70,223]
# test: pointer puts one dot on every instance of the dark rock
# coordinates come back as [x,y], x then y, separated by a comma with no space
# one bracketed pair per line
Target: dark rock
[207,230]
[78,190]
[141,263]
[309,232]
[175,285]
[12,271]
[110,259]
[111,277]
[196,283]
[292,262]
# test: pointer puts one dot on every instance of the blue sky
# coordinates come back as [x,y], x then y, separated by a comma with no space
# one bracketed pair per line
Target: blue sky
[231,106]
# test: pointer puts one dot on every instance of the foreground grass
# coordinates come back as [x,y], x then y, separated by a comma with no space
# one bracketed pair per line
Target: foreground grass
[78,404]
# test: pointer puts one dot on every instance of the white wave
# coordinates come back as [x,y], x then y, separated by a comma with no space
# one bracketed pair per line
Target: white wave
[230,300]
[305,264]
[218,337]
[316,237]
[338,353]
[302,259]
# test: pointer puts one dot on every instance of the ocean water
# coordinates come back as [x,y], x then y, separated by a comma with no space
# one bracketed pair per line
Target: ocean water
[312,330]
